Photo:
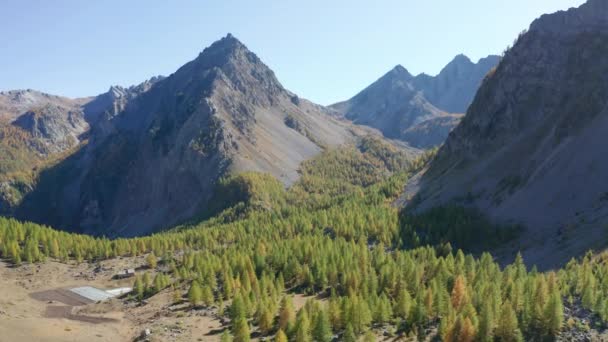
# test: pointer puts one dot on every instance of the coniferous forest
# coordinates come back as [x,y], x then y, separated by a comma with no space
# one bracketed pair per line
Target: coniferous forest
[337,237]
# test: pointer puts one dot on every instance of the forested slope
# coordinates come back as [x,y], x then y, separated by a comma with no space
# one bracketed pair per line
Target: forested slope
[335,234]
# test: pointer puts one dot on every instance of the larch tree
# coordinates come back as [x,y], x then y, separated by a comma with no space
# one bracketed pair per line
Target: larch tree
[240,330]
[151,260]
[286,314]
[302,328]
[321,327]
[507,329]
[265,321]
[349,334]
[459,293]
[280,337]
[195,294]
[138,286]
[554,313]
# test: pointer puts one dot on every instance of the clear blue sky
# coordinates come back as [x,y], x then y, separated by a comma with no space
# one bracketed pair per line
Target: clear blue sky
[324,50]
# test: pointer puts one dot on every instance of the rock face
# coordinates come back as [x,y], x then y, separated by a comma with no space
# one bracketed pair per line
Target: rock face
[14,103]
[50,124]
[156,161]
[415,109]
[53,129]
[531,148]
[431,132]
[115,100]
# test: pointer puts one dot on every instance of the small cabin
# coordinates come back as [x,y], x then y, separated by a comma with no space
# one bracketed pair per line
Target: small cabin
[126,273]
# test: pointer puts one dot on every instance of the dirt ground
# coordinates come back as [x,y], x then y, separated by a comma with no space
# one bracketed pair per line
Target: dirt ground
[35,305]
[32,310]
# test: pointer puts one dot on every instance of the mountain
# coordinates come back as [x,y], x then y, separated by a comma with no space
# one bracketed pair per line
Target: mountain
[531,148]
[156,161]
[39,129]
[415,108]
[34,128]
[391,104]
[53,123]
[453,89]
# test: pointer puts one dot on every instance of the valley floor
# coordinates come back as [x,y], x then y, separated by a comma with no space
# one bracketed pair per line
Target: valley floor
[29,310]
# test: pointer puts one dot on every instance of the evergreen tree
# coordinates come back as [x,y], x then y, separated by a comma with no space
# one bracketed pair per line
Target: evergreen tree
[554,313]
[382,310]
[321,328]
[349,334]
[207,295]
[486,323]
[195,294]
[462,331]
[159,282]
[459,293]
[138,287]
[147,281]
[177,295]
[302,328]
[226,337]
[286,314]
[265,321]
[280,337]
[238,309]
[403,304]
[151,260]
[240,330]
[507,329]
[335,313]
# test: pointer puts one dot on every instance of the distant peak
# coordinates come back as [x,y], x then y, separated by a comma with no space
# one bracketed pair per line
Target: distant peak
[462,58]
[230,39]
[226,50]
[227,43]
[399,71]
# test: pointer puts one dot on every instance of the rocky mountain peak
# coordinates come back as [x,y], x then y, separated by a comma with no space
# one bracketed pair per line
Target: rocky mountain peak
[227,50]
[228,65]
[116,92]
[400,70]
[397,73]
[461,59]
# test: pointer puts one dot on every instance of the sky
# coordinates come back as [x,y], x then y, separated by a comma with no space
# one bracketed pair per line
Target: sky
[323,50]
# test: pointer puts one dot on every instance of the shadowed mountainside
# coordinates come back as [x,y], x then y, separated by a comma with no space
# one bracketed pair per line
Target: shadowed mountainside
[531,148]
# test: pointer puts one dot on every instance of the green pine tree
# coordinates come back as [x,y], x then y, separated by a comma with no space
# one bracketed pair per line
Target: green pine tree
[322,328]
[302,328]
[554,313]
[240,330]
[195,294]
[507,329]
